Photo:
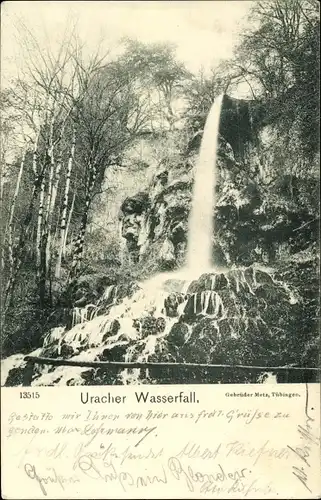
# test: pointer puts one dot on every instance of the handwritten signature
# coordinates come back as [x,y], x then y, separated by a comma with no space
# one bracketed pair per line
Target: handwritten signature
[304,451]
[207,480]
[89,466]
[51,478]
[107,471]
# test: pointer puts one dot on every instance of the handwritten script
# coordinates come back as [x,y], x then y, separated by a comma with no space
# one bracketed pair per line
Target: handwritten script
[223,449]
[308,440]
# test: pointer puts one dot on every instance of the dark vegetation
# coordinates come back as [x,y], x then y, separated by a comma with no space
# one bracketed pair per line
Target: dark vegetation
[77,128]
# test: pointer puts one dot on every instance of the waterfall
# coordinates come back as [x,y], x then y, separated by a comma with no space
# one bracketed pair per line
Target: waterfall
[201,227]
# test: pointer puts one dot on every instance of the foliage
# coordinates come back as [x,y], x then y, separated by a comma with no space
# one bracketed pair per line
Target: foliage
[73,118]
[281,58]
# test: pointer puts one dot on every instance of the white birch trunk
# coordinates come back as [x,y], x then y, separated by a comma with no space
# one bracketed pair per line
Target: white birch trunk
[52,167]
[63,225]
[52,207]
[45,233]
[34,155]
[68,223]
[40,222]
[12,209]
[79,243]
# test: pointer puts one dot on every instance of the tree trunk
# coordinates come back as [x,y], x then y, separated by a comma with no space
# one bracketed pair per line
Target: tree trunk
[24,237]
[35,156]
[50,185]
[63,226]
[50,233]
[68,222]
[79,244]
[39,224]
[12,209]
[43,271]
[46,215]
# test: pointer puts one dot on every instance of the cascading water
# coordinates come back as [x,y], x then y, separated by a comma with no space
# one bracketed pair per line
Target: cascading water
[162,319]
[201,227]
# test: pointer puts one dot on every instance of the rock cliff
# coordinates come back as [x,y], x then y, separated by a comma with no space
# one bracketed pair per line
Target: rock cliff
[259,305]
[251,225]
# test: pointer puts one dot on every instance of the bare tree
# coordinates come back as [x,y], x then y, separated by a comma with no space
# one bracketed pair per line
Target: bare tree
[46,81]
[108,115]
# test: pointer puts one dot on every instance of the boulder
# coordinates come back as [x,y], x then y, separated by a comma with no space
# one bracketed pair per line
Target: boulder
[178,334]
[172,302]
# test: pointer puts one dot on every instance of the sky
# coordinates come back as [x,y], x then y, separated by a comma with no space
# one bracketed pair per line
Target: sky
[205,32]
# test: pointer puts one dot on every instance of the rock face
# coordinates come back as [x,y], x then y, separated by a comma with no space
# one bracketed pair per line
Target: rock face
[248,316]
[250,225]
[154,224]
[134,210]
[260,309]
